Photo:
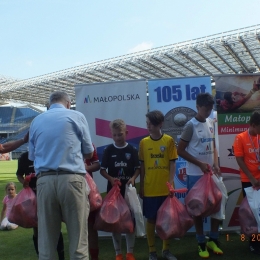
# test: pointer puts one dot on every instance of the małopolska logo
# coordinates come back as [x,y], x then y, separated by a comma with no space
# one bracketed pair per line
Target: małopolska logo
[87,99]
[109,99]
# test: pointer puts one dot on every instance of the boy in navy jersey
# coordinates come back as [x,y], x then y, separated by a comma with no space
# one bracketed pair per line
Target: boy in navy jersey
[120,162]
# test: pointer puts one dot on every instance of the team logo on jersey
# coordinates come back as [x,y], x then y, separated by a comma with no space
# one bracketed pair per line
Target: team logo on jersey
[162,148]
[211,129]
[127,156]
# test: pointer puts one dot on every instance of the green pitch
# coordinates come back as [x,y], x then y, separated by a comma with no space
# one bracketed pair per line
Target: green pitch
[18,244]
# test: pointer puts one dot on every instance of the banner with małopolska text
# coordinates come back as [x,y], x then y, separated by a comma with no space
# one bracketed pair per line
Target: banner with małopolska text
[103,102]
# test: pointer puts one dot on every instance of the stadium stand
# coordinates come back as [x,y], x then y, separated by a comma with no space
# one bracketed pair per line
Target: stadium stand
[5,114]
[15,123]
[24,115]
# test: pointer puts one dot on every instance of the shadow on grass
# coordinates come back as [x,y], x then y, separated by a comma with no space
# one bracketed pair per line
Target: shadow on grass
[18,244]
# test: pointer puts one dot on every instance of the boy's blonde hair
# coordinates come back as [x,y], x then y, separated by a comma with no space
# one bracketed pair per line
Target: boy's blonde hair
[117,124]
[8,184]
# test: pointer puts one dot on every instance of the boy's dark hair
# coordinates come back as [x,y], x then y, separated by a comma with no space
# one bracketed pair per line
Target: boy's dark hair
[228,97]
[255,118]
[204,100]
[156,117]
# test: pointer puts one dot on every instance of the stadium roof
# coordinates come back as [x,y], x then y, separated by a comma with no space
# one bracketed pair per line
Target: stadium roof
[232,52]
[4,80]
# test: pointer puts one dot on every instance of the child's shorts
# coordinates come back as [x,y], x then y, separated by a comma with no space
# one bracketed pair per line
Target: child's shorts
[151,206]
[191,180]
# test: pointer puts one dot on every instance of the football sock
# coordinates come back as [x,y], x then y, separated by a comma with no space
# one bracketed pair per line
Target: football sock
[214,235]
[150,232]
[130,242]
[201,238]
[117,242]
[166,244]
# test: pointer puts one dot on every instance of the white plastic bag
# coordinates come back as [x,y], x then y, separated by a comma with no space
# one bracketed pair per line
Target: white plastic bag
[135,207]
[221,214]
[253,198]
[87,187]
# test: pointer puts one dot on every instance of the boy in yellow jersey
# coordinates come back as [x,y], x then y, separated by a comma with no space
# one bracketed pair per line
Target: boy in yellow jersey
[157,153]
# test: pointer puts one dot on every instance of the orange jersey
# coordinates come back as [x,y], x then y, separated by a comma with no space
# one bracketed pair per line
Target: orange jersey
[244,147]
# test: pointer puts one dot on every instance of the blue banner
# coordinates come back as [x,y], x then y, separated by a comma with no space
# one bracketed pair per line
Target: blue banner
[176,98]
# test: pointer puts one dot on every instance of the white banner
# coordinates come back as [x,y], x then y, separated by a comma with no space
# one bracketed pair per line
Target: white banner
[103,102]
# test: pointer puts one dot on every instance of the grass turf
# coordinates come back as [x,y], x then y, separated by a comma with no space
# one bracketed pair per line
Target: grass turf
[18,244]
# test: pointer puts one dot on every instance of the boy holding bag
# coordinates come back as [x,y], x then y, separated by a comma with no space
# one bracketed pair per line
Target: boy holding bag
[246,150]
[120,162]
[157,153]
[197,146]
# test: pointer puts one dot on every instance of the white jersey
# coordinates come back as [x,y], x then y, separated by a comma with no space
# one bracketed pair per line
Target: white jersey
[201,144]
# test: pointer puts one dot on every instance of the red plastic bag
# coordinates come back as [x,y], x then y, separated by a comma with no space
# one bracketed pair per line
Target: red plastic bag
[29,177]
[173,219]
[204,198]
[95,199]
[247,219]
[114,214]
[24,209]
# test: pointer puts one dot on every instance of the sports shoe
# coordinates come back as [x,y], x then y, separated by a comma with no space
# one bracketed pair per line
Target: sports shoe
[152,256]
[168,255]
[254,247]
[119,257]
[213,244]
[129,256]
[203,251]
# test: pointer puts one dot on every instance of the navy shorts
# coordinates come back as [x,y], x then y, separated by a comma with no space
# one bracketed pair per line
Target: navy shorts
[151,206]
[191,180]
